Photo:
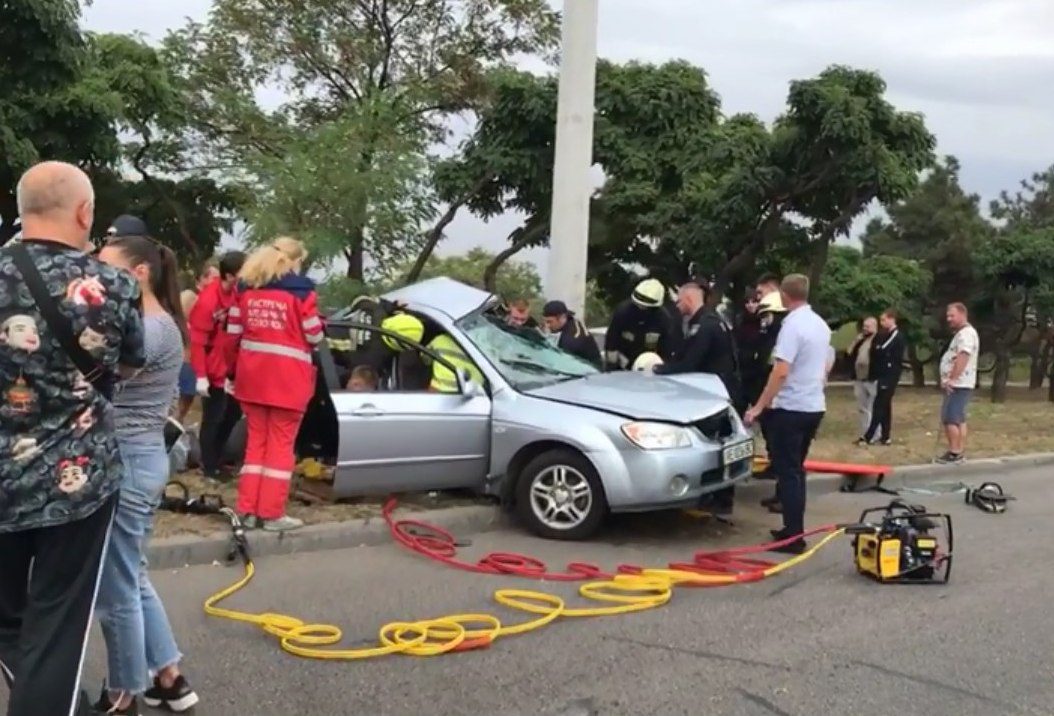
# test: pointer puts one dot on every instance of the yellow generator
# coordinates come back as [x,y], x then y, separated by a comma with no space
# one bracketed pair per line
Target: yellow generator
[903,543]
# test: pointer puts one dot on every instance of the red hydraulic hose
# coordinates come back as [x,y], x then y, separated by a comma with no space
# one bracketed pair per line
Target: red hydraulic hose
[440,545]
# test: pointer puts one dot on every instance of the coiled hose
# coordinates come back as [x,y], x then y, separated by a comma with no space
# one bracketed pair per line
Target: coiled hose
[627,589]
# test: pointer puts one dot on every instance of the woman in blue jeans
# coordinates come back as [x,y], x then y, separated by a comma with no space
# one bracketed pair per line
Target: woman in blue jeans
[139,641]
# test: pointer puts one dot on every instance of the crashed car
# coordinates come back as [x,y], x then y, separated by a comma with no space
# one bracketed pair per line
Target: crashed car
[555,439]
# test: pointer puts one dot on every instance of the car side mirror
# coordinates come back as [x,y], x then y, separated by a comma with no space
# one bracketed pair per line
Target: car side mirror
[469,387]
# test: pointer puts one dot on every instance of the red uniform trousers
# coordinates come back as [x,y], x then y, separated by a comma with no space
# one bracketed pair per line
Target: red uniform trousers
[263,486]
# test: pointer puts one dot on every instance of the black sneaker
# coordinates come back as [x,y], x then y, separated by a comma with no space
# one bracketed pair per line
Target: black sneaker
[179,698]
[105,706]
[950,458]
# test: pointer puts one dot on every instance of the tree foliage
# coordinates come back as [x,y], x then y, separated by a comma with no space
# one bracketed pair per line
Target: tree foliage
[335,62]
[854,287]
[686,190]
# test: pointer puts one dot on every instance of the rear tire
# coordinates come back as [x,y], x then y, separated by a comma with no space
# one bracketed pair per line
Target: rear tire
[559,496]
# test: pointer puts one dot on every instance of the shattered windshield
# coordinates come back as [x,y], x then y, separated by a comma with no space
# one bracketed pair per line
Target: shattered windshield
[522,355]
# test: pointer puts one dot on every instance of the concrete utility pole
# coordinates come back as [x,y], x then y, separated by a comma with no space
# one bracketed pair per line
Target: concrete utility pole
[569,232]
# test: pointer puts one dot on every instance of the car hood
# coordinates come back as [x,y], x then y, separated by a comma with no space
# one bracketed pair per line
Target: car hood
[679,399]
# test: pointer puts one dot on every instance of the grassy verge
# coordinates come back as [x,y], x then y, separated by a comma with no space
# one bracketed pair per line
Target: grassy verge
[1015,427]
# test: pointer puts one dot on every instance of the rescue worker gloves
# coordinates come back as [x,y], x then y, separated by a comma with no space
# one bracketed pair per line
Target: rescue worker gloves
[404,325]
[202,387]
[649,294]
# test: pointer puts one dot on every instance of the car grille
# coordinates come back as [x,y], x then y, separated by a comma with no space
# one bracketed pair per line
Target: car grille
[716,427]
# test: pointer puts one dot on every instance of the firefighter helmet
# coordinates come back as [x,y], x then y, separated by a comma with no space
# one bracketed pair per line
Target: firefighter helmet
[403,325]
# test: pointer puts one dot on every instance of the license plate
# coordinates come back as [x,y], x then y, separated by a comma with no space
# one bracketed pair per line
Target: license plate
[737,452]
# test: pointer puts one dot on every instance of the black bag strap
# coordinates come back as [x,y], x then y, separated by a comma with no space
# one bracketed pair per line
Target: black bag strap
[59,325]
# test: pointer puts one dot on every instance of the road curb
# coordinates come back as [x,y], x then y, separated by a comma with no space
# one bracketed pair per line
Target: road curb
[985,469]
[187,550]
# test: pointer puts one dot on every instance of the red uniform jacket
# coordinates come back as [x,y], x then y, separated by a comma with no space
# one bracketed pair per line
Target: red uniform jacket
[273,330]
[209,341]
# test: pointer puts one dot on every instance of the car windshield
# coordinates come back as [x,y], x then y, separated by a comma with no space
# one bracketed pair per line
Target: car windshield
[523,356]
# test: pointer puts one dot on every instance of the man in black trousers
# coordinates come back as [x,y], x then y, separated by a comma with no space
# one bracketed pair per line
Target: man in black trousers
[69,322]
[887,362]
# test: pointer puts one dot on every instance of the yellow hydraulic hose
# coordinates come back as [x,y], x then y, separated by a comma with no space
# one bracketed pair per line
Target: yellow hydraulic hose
[623,594]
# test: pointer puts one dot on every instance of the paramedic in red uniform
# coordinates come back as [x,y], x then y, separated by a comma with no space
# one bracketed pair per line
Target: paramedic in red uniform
[274,328]
[208,356]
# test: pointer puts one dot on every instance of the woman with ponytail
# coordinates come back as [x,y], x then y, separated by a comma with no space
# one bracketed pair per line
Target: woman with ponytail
[274,328]
[139,641]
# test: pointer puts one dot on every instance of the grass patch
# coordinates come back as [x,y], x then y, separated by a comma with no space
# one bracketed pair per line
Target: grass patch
[1015,427]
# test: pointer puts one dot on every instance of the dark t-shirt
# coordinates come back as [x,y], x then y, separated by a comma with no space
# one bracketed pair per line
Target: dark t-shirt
[58,454]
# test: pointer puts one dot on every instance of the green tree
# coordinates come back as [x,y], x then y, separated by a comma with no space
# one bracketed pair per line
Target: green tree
[940,226]
[384,67]
[686,190]
[47,108]
[515,279]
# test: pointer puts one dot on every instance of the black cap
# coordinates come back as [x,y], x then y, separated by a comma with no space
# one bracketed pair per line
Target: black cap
[555,308]
[128,225]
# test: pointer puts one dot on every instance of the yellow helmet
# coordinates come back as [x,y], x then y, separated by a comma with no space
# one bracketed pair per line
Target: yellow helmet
[771,303]
[404,325]
[649,293]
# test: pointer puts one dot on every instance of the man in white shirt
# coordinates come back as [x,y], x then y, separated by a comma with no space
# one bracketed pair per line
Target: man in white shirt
[958,378]
[794,398]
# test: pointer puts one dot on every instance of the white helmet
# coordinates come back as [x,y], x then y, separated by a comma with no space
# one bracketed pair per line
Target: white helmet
[646,362]
[649,293]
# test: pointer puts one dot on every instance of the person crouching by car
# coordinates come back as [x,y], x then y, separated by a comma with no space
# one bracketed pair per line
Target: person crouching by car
[709,347]
[274,328]
[571,334]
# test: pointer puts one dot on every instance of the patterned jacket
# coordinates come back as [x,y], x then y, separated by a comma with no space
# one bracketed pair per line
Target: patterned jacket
[58,454]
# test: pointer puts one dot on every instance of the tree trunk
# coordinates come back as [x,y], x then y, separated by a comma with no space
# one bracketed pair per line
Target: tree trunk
[1037,351]
[356,258]
[817,263]
[435,235]
[9,212]
[525,235]
[918,368]
[1001,372]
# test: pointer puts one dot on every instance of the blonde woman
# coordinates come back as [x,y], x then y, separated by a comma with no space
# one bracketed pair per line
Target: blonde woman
[273,327]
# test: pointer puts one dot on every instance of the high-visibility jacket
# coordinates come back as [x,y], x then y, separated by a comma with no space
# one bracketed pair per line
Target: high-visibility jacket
[443,379]
[209,340]
[274,330]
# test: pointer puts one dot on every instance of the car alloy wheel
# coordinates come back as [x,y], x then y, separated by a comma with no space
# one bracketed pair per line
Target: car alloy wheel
[561,497]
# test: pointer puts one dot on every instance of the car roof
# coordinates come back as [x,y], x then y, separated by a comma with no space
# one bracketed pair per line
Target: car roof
[443,294]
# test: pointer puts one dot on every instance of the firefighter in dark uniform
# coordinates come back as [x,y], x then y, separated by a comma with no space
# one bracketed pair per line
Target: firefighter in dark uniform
[572,335]
[709,347]
[639,325]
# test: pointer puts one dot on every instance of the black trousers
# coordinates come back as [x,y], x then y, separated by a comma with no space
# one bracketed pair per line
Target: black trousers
[791,435]
[220,413]
[882,412]
[49,578]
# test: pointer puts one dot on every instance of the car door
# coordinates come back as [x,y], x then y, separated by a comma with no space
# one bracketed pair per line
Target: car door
[406,442]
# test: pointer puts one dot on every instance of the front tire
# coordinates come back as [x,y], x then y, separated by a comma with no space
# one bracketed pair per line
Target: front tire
[559,496]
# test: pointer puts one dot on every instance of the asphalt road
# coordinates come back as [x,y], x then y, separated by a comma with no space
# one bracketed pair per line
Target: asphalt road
[817,640]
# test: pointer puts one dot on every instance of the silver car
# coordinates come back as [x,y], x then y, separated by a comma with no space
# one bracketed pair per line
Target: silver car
[556,439]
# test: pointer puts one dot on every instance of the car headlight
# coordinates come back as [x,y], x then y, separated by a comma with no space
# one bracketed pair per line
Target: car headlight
[656,436]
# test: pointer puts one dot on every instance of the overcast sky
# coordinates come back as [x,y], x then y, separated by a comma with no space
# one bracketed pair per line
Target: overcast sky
[981,71]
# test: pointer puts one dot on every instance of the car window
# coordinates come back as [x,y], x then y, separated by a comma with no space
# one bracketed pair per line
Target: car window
[523,356]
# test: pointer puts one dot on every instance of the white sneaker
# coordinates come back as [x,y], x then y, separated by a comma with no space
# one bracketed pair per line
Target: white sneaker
[282,524]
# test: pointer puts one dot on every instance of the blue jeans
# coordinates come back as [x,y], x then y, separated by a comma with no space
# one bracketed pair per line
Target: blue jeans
[138,636]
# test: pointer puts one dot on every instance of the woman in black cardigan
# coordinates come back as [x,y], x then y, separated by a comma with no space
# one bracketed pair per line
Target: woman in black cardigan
[887,362]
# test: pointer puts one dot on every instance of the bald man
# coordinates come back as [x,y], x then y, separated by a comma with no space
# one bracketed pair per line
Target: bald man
[56,425]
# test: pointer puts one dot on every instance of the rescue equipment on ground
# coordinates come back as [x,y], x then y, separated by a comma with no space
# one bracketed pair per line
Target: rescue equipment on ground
[989,497]
[907,543]
[646,362]
[625,590]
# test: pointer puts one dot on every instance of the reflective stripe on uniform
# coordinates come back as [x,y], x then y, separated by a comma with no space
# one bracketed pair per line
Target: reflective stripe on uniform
[235,329]
[309,323]
[251,469]
[314,338]
[276,474]
[276,350]
[340,344]
[234,312]
[445,380]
